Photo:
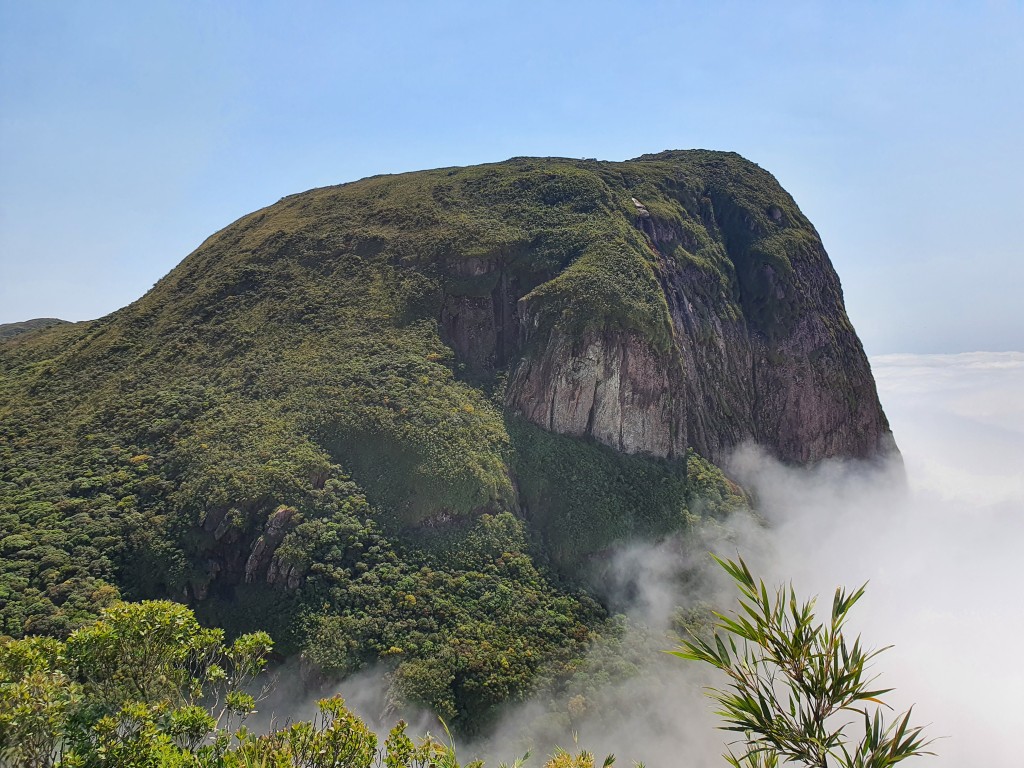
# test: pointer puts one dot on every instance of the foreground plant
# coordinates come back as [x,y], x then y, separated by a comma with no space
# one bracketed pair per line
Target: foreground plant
[794,682]
[146,686]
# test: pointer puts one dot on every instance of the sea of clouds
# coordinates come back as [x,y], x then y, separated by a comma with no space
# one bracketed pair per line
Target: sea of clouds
[939,545]
[941,557]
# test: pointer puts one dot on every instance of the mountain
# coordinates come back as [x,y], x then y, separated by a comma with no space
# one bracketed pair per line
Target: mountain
[10,330]
[402,418]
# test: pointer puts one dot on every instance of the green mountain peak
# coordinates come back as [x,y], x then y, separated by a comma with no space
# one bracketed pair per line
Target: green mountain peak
[397,418]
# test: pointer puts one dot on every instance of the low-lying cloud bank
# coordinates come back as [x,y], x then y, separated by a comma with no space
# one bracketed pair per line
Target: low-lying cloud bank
[939,547]
[941,555]
[942,559]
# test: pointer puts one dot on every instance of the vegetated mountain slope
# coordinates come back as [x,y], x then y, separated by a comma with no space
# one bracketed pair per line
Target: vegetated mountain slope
[10,330]
[393,418]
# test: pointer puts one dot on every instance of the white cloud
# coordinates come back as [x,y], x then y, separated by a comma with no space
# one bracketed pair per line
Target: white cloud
[941,555]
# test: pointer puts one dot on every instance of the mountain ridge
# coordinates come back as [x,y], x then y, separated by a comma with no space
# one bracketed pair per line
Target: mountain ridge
[10,330]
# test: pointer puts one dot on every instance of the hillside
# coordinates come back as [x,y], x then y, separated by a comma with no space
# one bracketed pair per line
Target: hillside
[400,418]
[10,330]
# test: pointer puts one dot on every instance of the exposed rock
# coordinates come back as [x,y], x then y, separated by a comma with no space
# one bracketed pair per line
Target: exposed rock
[284,574]
[641,209]
[610,386]
[482,327]
[804,390]
[212,518]
[777,362]
[225,524]
[440,519]
[263,548]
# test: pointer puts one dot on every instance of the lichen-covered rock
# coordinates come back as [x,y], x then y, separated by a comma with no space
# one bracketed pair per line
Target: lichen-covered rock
[288,575]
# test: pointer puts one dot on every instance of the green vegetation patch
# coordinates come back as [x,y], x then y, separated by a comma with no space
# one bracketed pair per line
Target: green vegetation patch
[583,497]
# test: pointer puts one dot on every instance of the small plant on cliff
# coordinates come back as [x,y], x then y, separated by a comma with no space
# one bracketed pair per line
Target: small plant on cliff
[793,680]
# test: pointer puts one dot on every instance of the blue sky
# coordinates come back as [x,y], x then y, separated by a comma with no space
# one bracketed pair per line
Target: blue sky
[131,131]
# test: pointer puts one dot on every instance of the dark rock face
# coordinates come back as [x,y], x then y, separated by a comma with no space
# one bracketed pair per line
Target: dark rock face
[262,555]
[483,329]
[806,392]
[237,554]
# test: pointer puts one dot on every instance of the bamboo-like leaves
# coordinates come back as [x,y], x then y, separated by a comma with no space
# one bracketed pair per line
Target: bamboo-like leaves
[791,678]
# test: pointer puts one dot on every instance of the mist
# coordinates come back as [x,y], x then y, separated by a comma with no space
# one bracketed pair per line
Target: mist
[939,556]
[935,536]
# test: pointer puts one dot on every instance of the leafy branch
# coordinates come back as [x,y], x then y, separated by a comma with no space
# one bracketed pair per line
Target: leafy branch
[792,679]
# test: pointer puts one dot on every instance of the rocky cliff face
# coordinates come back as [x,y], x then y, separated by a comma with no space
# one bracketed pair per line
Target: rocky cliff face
[806,396]
[611,386]
[789,374]
[759,347]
